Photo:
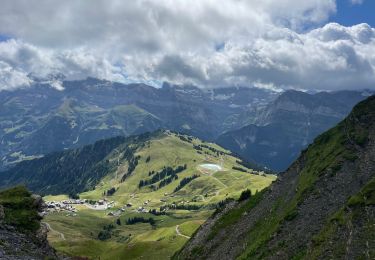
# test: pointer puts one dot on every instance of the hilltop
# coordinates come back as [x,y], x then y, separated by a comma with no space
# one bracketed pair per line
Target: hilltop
[141,195]
[322,207]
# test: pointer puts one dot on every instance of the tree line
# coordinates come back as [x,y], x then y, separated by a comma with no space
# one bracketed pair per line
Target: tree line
[161,175]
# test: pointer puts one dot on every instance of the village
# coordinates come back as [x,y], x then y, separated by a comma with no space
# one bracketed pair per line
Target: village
[71,206]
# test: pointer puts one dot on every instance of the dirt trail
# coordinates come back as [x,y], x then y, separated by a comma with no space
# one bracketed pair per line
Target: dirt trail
[179,233]
[53,230]
[210,173]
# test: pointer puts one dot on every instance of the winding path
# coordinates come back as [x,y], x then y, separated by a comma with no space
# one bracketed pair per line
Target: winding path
[53,230]
[179,233]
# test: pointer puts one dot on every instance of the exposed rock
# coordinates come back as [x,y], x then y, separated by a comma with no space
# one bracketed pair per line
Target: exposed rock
[20,240]
[2,214]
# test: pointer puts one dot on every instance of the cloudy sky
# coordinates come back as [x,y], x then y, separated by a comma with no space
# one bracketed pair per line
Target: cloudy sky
[309,44]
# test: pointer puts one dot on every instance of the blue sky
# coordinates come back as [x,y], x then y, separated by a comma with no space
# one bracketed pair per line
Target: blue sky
[4,37]
[349,14]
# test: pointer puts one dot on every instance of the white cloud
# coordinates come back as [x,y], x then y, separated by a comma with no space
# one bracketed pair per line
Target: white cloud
[11,79]
[202,42]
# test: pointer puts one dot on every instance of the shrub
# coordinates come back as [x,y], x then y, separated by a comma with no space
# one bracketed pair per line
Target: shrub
[246,194]
[104,235]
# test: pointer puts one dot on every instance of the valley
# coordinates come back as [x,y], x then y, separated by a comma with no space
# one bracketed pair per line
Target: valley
[187,130]
[166,208]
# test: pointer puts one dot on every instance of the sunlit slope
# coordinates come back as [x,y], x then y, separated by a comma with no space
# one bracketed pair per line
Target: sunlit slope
[130,164]
[171,150]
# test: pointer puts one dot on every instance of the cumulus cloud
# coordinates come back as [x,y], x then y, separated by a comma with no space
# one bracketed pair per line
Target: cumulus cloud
[202,42]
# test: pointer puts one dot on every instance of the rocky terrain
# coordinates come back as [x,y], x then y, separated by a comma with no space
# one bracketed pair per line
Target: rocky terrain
[322,207]
[22,236]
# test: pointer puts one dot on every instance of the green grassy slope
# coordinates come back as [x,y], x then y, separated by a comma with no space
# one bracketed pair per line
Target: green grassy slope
[195,201]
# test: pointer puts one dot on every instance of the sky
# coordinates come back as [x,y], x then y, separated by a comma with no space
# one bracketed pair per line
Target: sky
[275,44]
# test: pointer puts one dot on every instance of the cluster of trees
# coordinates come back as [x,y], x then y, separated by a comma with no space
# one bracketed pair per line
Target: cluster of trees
[181,206]
[197,147]
[200,147]
[74,171]
[221,205]
[212,149]
[135,220]
[246,194]
[168,180]
[156,213]
[92,202]
[185,138]
[74,196]
[185,181]
[132,160]
[161,175]
[106,233]
[148,159]
[110,192]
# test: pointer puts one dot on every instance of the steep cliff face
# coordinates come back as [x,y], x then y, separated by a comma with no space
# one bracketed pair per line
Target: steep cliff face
[322,207]
[22,236]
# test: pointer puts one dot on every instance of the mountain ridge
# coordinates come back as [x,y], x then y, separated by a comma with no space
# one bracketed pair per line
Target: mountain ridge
[279,132]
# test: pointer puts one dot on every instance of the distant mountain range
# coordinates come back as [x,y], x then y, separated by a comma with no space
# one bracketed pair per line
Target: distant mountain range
[41,119]
[278,132]
[48,117]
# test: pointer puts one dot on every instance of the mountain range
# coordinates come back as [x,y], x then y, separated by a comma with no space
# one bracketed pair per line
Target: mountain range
[278,133]
[261,125]
[41,119]
[148,194]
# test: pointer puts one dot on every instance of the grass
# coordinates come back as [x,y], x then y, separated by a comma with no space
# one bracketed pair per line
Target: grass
[143,240]
[324,156]
[234,215]
[20,209]
[188,228]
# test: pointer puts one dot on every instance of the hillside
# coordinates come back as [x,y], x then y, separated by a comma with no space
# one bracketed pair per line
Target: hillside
[21,234]
[276,134]
[176,180]
[322,207]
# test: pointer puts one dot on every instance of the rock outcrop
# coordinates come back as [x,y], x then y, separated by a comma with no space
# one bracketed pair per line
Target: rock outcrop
[22,236]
